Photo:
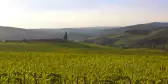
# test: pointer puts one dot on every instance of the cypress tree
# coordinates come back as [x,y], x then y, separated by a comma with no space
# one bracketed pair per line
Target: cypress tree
[66,36]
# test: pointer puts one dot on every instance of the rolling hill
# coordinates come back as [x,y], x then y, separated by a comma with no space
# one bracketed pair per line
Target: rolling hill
[11,33]
[77,34]
[153,35]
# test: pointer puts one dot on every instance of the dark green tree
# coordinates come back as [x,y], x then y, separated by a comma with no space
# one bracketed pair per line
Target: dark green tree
[24,40]
[66,36]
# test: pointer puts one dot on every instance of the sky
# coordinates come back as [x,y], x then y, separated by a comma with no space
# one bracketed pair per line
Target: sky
[81,13]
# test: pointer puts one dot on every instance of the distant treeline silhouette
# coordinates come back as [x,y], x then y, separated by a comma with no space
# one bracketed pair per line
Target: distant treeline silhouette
[29,40]
[65,38]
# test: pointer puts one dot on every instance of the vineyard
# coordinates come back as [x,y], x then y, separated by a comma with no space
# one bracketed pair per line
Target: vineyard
[78,63]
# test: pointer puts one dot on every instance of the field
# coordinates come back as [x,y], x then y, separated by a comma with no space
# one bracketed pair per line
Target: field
[79,63]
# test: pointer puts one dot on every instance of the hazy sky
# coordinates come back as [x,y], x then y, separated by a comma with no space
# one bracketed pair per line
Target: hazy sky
[81,13]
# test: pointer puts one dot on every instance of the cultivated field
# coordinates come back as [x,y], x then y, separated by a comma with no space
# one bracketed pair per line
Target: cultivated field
[78,63]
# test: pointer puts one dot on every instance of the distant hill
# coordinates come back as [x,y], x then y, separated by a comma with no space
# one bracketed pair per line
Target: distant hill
[11,33]
[160,24]
[153,35]
[79,34]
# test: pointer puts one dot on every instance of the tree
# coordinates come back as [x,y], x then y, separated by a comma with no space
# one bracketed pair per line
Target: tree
[24,40]
[66,36]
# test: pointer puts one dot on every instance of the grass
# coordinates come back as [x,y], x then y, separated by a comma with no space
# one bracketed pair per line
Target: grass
[80,63]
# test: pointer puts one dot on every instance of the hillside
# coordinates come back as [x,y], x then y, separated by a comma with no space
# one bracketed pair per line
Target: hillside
[153,35]
[79,34]
[10,33]
[140,35]
[41,46]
